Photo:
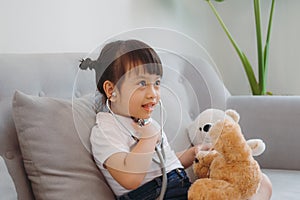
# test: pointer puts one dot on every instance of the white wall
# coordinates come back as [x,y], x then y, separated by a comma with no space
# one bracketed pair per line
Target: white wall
[284,67]
[77,25]
[38,26]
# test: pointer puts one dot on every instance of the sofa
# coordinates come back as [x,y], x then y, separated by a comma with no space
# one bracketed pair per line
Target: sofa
[48,108]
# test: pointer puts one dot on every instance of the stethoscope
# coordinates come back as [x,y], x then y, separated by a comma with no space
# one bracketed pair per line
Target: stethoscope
[159,149]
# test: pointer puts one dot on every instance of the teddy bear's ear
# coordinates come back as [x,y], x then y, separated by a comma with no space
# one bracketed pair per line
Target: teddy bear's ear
[233,114]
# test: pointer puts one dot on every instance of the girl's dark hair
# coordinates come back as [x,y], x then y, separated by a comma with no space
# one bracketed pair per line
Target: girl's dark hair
[118,57]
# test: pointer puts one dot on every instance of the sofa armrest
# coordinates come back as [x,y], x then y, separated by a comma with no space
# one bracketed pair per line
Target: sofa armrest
[275,120]
[7,187]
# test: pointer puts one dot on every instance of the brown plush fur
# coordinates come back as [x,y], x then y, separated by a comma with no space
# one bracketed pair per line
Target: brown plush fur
[228,172]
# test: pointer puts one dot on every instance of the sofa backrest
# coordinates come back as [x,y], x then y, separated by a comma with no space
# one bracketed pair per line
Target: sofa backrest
[189,86]
[274,119]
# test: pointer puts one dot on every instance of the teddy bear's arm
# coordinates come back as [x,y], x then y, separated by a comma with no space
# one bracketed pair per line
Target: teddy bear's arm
[202,163]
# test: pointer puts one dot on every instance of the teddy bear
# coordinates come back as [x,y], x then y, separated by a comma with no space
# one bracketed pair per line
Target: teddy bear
[199,128]
[229,171]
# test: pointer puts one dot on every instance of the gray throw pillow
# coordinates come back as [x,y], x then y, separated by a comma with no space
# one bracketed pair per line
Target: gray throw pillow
[54,141]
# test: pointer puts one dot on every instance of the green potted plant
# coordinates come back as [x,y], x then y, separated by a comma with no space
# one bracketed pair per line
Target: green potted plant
[258,86]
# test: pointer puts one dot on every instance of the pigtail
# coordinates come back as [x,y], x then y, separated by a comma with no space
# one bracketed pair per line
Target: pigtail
[88,63]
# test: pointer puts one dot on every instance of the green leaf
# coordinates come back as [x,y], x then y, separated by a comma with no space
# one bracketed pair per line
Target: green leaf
[246,64]
[260,54]
[216,0]
[250,75]
[257,87]
[267,45]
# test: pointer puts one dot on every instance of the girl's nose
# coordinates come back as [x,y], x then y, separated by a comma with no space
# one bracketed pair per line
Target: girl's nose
[152,91]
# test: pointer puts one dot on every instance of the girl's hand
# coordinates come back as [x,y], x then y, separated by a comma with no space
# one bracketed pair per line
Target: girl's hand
[203,147]
[148,131]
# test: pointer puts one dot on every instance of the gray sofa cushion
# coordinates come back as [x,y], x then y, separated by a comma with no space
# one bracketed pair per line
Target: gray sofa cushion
[56,160]
[286,183]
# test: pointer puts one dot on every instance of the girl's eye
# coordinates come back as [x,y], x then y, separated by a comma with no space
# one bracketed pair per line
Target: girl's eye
[142,83]
[157,83]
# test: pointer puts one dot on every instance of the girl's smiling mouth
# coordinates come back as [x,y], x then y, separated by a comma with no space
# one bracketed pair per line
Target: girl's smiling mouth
[149,107]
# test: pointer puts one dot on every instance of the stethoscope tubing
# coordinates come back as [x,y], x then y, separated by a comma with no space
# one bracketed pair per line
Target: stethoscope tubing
[160,153]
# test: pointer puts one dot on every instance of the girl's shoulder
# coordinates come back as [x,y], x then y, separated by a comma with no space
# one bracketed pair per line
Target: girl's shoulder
[104,117]
[103,114]
[104,122]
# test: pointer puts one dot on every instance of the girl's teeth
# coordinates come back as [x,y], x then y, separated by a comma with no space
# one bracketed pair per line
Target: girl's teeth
[148,106]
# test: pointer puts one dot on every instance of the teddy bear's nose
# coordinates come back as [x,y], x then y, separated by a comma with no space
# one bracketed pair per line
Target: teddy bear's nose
[196,160]
[206,127]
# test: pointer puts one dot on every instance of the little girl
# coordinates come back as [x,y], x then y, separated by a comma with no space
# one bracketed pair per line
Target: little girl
[125,138]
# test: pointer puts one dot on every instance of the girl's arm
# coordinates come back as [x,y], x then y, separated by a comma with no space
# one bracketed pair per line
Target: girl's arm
[187,157]
[130,169]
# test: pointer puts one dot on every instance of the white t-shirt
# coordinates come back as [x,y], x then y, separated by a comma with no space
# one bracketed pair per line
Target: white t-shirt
[109,137]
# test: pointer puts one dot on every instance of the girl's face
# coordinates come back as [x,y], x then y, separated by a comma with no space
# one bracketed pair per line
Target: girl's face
[138,95]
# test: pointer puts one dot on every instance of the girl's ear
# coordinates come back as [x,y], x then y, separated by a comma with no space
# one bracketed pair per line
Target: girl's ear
[108,88]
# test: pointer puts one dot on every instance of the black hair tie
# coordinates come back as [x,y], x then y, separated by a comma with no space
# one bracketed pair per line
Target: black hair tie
[87,63]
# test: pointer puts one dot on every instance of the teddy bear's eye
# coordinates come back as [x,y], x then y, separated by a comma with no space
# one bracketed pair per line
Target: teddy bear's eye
[206,127]
[200,128]
[196,160]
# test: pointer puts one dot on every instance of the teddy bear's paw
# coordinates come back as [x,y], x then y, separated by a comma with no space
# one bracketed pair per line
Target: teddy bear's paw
[203,162]
[200,167]
[205,157]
